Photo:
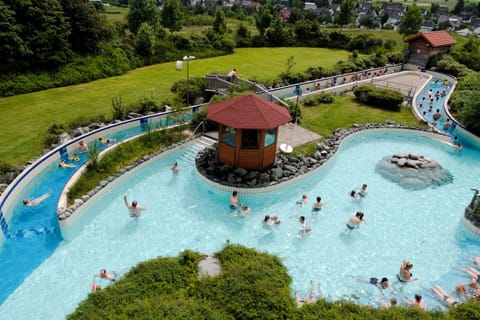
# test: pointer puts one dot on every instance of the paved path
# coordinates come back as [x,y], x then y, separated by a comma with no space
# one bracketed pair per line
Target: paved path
[294,135]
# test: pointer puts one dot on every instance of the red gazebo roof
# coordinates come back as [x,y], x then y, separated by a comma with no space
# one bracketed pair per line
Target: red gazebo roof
[248,112]
[434,38]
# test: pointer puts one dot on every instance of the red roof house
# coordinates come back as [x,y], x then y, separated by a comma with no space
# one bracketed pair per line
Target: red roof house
[248,131]
[424,45]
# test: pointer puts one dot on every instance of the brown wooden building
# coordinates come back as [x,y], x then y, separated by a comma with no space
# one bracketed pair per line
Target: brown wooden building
[424,45]
[248,131]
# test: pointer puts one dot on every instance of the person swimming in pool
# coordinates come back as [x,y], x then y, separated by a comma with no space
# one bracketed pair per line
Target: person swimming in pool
[134,209]
[302,201]
[37,201]
[63,164]
[363,191]
[305,228]
[234,200]
[404,275]
[354,221]
[317,206]
[245,210]
[103,274]
[175,168]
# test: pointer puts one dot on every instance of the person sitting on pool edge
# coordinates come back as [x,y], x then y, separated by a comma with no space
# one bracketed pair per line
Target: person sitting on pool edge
[134,209]
[234,201]
[37,201]
[317,206]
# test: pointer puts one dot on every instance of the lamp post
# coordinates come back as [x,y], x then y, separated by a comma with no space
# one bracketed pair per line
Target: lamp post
[188,58]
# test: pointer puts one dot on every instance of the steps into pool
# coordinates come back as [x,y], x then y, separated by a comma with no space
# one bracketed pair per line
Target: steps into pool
[189,156]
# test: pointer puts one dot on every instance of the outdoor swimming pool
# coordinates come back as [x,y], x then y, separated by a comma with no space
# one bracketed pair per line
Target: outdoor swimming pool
[422,226]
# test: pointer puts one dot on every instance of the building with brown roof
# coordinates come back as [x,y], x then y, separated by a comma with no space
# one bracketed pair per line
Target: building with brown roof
[424,45]
[248,131]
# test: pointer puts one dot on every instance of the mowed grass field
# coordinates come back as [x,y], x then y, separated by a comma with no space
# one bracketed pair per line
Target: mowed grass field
[26,118]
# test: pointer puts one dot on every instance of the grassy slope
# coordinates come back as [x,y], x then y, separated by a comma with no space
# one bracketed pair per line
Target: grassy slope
[26,118]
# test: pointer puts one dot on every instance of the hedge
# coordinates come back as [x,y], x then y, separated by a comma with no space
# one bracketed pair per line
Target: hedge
[387,99]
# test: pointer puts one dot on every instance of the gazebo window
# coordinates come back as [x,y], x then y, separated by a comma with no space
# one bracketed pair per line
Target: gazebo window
[269,137]
[249,139]
[228,135]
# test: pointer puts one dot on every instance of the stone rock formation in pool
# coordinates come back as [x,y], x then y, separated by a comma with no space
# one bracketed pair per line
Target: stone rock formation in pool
[413,171]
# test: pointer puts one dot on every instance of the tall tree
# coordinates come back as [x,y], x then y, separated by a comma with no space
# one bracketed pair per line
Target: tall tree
[346,12]
[11,45]
[459,7]
[263,19]
[142,11]
[411,21]
[145,40]
[172,18]
[44,30]
[220,24]
[88,27]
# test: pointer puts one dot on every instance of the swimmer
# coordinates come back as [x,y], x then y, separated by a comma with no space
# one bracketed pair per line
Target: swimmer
[305,228]
[62,164]
[245,210]
[96,287]
[276,220]
[381,284]
[37,201]
[363,191]
[175,168]
[447,125]
[317,206]
[302,201]
[75,157]
[404,274]
[234,201]
[310,297]
[391,303]
[444,296]
[418,302]
[134,209]
[83,146]
[265,221]
[354,221]
[103,274]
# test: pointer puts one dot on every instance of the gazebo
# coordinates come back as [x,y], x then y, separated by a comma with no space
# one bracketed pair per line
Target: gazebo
[247,131]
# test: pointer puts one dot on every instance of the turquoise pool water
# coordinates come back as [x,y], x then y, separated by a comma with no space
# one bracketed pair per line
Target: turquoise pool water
[422,226]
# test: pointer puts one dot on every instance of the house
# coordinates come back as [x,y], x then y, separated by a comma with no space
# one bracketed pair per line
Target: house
[424,45]
[310,6]
[428,25]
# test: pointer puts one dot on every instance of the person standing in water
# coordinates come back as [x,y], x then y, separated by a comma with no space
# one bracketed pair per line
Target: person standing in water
[134,209]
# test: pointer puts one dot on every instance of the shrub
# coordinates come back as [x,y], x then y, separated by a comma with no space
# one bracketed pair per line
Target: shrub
[314,100]
[201,115]
[387,99]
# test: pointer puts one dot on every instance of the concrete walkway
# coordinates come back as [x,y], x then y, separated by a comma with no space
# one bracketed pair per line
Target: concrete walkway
[294,135]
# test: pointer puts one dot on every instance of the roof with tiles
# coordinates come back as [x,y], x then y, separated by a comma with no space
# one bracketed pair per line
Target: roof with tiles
[248,112]
[434,38]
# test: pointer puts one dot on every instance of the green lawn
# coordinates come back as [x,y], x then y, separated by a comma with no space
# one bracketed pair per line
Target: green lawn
[25,118]
[345,111]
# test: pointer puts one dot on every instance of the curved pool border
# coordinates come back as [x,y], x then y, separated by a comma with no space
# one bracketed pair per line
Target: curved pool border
[10,198]
[336,139]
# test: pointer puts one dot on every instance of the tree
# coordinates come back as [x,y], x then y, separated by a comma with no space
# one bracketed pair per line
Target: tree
[459,7]
[172,16]
[44,31]
[142,11]
[145,40]
[411,21]
[88,27]
[263,19]
[346,13]
[11,45]
[220,24]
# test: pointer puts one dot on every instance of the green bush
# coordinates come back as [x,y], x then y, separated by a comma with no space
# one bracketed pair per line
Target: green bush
[314,100]
[387,99]
[201,115]
[251,285]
